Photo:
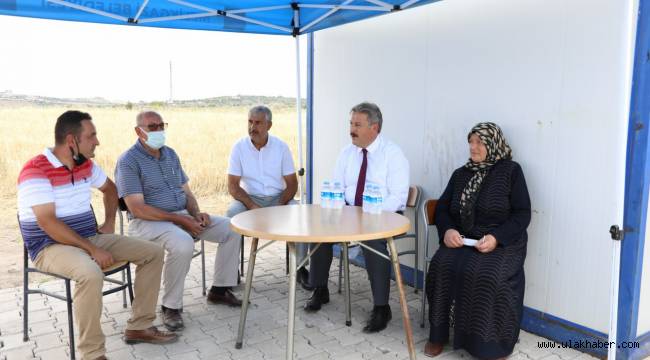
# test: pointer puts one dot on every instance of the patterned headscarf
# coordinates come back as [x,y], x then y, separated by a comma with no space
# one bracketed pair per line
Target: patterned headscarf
[497,149]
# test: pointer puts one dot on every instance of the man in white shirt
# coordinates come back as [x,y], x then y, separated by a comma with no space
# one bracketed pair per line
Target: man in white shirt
[369,159]
[261,173]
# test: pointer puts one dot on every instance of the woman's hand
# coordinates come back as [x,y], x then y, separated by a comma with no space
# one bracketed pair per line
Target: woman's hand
[453,239]
[486,244]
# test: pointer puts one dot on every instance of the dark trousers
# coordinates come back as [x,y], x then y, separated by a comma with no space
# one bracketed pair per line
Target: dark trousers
[378,269]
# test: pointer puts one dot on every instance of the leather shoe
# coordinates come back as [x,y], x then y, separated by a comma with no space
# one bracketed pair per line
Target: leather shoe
[151,335]
[172,319]
[319,297]
[302,277]
[228,298]
[379,318]
[432,349]
[101,358]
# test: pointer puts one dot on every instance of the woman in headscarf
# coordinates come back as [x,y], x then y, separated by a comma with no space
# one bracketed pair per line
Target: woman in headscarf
[480,289]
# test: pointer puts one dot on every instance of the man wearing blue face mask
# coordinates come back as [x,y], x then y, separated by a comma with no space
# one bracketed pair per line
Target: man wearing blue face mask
[163,209]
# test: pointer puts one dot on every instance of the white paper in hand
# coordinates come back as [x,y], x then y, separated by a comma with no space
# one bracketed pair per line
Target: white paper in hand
[469,242]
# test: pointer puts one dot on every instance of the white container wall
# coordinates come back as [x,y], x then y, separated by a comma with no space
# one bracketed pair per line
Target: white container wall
[554,76]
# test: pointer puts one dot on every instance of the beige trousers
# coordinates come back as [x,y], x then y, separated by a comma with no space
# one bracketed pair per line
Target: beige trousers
[179,246]
[76,264]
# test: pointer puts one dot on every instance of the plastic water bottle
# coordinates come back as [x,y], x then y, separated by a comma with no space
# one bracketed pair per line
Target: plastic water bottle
[378,202]
[372,199]
[325,195]
[366,198]
[337,196]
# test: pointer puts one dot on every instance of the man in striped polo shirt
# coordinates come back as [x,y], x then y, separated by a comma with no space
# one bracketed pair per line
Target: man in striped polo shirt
[163,209]
[62,237]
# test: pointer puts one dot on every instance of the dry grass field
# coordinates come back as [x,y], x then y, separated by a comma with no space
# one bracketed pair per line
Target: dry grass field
[202,137]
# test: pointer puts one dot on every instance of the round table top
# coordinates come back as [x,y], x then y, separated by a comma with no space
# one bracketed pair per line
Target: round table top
[311,223]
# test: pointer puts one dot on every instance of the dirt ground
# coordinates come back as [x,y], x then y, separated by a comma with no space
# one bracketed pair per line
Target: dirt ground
[11,259]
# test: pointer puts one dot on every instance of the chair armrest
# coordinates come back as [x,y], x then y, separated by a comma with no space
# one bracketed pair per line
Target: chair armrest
[406,252]
[404,236]
[35,270]
[118,266]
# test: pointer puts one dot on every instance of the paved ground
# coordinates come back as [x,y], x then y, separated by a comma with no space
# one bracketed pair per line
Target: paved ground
[210,330]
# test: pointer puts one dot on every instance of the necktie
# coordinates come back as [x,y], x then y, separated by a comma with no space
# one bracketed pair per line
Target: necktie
[361,182]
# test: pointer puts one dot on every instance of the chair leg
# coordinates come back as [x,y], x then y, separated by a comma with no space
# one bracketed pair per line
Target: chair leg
[424,293]
[203,265]
[417,268]
[130,283]
[286,253]
[123,289]
[70,320]
[241,256]
[25,294]
[341,265]
[25,305]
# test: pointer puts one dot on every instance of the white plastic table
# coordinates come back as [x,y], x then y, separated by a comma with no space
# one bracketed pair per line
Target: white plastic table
[311,224]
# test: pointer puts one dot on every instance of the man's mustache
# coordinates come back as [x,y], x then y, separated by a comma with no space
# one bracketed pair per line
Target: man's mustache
[354,135]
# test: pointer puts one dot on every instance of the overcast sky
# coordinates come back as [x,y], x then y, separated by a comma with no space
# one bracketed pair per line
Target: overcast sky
[69,59]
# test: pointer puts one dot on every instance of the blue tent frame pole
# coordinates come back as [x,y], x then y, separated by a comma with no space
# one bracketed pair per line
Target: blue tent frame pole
[310,116]
[637,178]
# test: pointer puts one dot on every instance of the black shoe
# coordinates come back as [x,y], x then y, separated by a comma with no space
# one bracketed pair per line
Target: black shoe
[302,277]
[379,318]
[172,319]
[319,297]
[227,298]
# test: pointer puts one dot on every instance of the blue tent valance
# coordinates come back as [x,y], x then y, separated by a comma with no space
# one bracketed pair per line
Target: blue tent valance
[261,16]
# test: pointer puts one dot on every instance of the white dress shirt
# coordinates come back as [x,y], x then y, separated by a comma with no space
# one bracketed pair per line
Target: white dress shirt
[387,167]
[261,170]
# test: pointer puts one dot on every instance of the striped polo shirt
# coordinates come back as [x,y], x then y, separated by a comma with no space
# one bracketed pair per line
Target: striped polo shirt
[160,180]
[44,179]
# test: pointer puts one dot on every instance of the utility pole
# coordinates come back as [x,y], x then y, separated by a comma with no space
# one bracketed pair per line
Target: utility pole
[171,98]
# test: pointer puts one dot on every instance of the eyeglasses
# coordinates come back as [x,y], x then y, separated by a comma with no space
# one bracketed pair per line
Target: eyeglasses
[154,127]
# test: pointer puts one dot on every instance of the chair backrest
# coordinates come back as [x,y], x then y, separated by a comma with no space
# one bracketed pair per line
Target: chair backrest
[22,236]
[94,216]
[429,210]
[413,199]
[122,204]
[121,208]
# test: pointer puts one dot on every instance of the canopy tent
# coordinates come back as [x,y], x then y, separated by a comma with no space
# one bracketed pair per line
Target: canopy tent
[267,17]
[275,17]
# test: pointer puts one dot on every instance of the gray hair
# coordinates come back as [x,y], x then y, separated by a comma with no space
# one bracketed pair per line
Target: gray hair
[261,109]
[139,120]
[373,112]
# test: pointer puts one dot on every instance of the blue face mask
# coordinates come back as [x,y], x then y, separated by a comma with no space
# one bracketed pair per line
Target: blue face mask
[155,139]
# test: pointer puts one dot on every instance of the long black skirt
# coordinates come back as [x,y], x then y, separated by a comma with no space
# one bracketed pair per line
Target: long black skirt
[486,292]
